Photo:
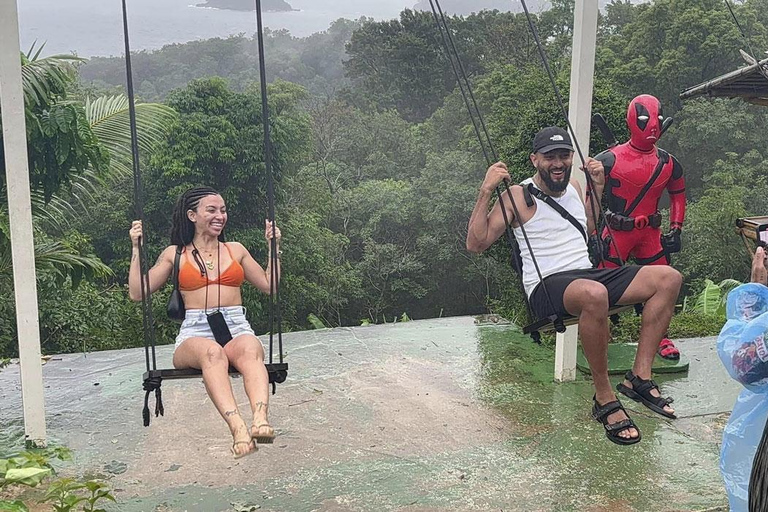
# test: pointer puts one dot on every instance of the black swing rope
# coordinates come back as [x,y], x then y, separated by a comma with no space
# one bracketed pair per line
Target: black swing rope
[275,313]
[467,94]
[151,383]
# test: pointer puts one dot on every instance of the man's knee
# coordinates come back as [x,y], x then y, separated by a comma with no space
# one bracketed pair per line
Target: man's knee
[592,297]
[669,279]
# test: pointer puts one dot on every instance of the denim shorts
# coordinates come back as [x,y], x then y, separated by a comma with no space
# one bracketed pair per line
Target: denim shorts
[195,324]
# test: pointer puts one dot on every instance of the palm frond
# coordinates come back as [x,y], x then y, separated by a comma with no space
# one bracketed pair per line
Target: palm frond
[55,258]
[64,261]
[109,119]
[47,77]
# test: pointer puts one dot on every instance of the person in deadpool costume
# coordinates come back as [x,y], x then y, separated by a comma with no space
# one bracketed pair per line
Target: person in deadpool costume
[637,173]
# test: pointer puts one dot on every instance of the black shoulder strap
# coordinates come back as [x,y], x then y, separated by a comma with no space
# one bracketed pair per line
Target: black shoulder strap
[663,159]
[559,209]
[176,262]
[527,197]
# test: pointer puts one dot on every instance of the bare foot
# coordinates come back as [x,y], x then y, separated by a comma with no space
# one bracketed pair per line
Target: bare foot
[242,444]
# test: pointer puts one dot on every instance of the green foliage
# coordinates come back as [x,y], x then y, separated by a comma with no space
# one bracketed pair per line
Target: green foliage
[108,116]
[89,318]
[519,107]
[668,45]
[60,140]
[70,144]
[25,476]
[728,127]
[708,301]
[511,302]
[711,247]
[687,324]
[711,300]
[402,64]
[13,506]
[65,494]
[218,141]
[314,62]
[315,322]
[692,325]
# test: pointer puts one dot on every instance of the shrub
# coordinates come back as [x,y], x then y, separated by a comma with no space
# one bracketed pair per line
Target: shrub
[683,325]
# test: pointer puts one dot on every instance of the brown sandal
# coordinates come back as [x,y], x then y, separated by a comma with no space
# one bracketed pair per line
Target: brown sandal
[263,438]
[241,455]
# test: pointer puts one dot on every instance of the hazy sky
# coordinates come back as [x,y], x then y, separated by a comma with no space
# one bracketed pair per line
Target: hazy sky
[94,27]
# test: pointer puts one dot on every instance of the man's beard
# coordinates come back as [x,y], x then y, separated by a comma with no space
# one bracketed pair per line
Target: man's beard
[555,186]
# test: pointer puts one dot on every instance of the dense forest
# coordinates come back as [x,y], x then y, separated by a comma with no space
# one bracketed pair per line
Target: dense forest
[377,166]
[467,6]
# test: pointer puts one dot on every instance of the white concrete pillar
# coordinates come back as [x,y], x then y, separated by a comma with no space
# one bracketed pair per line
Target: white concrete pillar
[582,76]
[580,115]
[20,214]
[565,354]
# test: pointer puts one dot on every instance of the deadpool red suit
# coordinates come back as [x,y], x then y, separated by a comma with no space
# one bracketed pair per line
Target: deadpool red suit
[637,173]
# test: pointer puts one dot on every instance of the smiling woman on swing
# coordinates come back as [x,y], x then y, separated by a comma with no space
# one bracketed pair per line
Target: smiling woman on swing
[210,274]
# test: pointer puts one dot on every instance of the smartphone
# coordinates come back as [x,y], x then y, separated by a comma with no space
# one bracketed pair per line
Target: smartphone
[762,235]
[219,328]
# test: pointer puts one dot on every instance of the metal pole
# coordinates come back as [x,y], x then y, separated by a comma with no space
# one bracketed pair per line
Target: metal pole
[582,74]
[20,215]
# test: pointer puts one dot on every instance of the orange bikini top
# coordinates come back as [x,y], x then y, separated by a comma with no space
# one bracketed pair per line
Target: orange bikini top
[190,278]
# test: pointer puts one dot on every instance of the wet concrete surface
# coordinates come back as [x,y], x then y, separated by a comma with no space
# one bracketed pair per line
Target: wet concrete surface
[432,415]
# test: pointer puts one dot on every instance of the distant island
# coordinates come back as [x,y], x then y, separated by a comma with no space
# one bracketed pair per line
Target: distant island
[467,6]
[248,5]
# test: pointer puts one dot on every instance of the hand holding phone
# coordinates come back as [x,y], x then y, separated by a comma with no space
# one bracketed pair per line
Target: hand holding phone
[762,235]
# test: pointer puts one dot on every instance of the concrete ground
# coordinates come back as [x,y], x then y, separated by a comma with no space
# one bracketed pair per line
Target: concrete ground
[432,415]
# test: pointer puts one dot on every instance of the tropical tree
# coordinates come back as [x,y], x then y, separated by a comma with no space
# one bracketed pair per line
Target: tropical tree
[73,147]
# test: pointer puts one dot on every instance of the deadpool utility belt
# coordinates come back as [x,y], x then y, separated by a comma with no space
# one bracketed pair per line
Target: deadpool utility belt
[619,222]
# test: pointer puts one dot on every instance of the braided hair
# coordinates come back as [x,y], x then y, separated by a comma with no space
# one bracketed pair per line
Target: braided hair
[183,229]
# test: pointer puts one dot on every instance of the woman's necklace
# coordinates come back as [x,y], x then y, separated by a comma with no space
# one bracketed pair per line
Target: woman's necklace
[209,260]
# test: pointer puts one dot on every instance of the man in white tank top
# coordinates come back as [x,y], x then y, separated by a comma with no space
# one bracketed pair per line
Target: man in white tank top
[571,286]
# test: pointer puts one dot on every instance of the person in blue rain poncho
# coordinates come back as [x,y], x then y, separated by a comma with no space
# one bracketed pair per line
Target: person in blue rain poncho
[743,348]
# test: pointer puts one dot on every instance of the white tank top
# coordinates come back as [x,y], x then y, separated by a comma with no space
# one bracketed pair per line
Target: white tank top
[556,243]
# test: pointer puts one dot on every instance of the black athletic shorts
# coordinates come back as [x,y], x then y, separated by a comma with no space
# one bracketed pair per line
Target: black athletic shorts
[616,280]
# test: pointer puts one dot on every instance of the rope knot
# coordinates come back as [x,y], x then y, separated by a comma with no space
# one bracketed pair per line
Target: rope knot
[153,384]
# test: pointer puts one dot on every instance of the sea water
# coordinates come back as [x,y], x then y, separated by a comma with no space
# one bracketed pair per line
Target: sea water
[94,27]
